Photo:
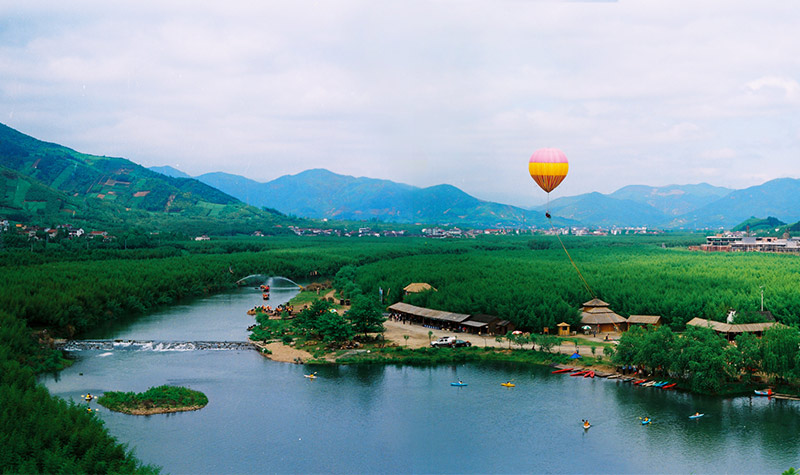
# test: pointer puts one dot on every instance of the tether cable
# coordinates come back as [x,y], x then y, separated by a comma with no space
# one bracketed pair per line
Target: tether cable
[585,284]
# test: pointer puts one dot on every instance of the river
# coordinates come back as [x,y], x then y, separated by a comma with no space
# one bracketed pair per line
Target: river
[265,417]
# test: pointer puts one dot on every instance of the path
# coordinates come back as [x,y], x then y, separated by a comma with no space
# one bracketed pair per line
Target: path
[418,338]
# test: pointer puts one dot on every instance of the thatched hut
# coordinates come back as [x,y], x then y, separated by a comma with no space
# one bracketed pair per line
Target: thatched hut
[601,319]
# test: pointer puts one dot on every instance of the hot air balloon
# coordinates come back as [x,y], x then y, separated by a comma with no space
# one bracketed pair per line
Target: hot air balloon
[548,168]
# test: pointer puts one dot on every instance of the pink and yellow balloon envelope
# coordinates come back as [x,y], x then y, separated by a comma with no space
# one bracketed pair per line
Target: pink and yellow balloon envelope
[548,168]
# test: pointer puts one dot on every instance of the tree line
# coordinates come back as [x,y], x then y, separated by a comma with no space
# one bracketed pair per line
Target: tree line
[706,361]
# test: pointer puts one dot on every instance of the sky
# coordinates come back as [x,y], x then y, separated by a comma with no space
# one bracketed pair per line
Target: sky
[420,92]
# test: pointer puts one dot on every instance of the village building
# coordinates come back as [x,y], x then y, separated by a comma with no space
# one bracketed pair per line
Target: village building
[436,319]
[458,322]
[644,320]
[729,330]
[563,329]
[600,319]
[482,324]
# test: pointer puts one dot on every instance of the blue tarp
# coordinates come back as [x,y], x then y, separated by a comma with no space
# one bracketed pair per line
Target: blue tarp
[575,356]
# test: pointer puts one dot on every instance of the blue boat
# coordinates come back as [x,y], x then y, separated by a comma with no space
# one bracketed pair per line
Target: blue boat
[646,421]
[458,384]
[696,416]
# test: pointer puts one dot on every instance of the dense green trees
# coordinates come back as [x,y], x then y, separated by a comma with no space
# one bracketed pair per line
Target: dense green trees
[43,434]
[537,287]
[366,315]
[706,360]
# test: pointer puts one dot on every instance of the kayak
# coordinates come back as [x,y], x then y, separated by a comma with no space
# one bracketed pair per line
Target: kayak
[586,426]
[508,385]
[458,384]
[646,421]
[589,374]
[578,373]
[563,370]
[696,416]
[640,381]
[764,392]
[669,386]
[660,383]
[310,376]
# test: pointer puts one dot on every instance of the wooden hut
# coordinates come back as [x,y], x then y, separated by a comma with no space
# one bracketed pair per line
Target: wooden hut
[644,320]
[602,319]
[563,329]
[505,326]
[482,324]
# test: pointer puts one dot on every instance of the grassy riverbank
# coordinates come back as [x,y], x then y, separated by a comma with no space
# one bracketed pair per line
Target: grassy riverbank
[156,400]
[432,356]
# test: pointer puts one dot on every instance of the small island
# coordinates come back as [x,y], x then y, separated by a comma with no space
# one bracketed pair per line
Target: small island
[156,400]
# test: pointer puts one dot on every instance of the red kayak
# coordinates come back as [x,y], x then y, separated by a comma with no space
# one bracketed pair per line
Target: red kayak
[579,373]
[564,370]
[669,386]
[640,381]
[589,374]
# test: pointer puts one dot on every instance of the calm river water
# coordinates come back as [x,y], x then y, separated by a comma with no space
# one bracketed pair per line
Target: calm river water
[265,417]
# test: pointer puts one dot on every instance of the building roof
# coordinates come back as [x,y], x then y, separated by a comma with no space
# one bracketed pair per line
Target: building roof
[428,313]
[472,323]
[563,324]
[595,303]
[645,319]
[730,328]
[415,287]
[601,318]
[483,318]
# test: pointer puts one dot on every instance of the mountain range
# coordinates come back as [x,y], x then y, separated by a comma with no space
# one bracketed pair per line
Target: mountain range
[42,179]
[320,193]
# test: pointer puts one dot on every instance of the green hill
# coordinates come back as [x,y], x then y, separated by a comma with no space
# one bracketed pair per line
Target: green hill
[48,183]
[759,224]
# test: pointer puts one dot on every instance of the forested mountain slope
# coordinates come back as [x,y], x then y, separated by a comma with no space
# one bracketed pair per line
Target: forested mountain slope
[51,183]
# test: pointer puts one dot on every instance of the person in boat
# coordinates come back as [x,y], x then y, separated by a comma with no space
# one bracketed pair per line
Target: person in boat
[585,424]
[88,397]
[647,419]
[696,414]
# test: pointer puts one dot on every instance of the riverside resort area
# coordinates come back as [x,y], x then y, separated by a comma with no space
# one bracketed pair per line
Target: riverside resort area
[417,237]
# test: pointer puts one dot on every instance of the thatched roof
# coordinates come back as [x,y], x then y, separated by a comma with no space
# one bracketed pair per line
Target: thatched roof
[563,324]
[596,312]
[645,319]
[428,313]
[415,287]
[729,328]
[595,303]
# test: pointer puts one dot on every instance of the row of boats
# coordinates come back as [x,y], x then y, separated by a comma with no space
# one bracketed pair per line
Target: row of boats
[587,373]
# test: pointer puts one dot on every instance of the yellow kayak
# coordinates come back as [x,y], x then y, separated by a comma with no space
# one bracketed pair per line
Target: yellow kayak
[508,385]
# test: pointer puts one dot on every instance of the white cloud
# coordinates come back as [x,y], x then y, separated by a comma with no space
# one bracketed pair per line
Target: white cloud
[418,92]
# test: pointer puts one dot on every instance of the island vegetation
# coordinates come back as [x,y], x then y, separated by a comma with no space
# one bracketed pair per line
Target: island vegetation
[156,400]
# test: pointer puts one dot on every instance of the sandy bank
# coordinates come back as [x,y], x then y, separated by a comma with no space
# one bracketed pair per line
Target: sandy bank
[284,353]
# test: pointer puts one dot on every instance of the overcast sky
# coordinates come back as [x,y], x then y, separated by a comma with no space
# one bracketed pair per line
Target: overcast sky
[459,92]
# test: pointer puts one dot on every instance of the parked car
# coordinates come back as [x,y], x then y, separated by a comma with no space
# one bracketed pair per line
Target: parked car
[458,343]
[443,341]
